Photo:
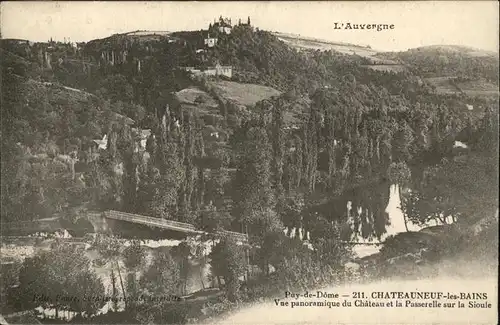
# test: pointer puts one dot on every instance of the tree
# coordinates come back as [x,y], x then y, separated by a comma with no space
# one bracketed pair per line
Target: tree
[296,266]
[277,136]
[216,186]
[116,88]
[99,184]
[275,249]
[402,143]
[182,253]
[253,180]
[134,257]
[44,281]
[172,172]
[89,285]
[455,188]
[147,194]
[327,240]
[228,261]
[290,210]
[109,248]
[126,146]
[10,275]
[212,220]
[162,277]
[264,220]
[464,187]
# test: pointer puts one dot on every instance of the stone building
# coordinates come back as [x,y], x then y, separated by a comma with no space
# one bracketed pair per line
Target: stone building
[210,41]
[217,70]
[223,25]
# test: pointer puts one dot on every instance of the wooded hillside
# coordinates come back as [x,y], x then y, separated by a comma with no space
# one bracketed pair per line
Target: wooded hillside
[326,131]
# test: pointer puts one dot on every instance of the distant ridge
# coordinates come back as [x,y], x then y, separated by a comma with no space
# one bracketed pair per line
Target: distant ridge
[146,33]
[310,43]
[316,40]
[135,33]
[456,48]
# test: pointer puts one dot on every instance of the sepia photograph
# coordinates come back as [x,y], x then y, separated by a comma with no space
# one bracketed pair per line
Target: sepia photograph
[249,163]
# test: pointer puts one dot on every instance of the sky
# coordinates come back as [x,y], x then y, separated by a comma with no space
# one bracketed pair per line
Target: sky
[420,23]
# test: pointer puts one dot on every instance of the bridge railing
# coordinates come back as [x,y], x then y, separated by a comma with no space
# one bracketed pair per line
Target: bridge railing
[186,227]
[148,220]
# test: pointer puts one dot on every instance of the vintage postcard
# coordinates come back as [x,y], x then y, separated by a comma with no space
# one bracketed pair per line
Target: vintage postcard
[275,163]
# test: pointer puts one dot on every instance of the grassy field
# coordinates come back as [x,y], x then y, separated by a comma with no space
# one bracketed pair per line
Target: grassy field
[478,88]
[472,88]
[243,94]
[443,85]
[387,67]
[194,95]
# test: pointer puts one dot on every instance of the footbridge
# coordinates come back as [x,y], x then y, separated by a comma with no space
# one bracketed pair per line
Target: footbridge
[169,225]
[152,222]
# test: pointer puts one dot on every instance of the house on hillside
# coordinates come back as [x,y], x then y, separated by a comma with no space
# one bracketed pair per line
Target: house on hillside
[459,144]
[460,150]
[216,71]
[210,41]
[102,144]
[223,70]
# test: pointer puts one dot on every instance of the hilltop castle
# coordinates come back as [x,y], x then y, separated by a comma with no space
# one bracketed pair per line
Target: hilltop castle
[224,25]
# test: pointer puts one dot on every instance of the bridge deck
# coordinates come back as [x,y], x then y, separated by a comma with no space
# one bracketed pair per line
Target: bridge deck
[150,221]
[168,224]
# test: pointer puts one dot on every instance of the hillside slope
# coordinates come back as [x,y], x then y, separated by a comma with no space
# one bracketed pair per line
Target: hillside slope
[450,61]
[325,126]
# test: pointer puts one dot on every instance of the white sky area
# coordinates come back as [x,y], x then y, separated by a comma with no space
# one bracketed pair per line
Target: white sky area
[420,23]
